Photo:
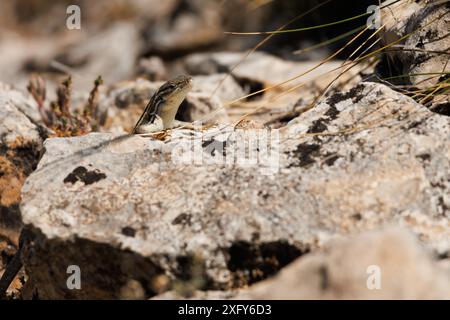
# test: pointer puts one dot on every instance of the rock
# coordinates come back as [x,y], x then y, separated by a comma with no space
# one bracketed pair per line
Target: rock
[264,71]
[395,158]
[125,103]
[20,146]
[24,103]
[261,67]
[19,53]
[441,107]
[202,107]
[111,53]
[207,100]
[382,264]
[388,264]
[192,25]
[152,69]
[423,52]
[147,208]
[132,290]
[220,84]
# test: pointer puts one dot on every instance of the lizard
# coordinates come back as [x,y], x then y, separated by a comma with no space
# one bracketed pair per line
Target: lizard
[158,115]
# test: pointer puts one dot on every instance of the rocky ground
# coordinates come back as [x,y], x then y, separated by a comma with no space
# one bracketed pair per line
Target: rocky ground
[345,194]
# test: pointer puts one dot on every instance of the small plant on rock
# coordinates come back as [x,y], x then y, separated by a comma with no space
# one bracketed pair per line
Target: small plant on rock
[60,117]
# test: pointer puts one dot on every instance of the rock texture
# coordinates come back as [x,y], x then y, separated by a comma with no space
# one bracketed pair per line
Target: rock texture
[138,209]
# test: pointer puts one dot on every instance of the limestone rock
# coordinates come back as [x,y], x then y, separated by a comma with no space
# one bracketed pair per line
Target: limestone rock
[140,208]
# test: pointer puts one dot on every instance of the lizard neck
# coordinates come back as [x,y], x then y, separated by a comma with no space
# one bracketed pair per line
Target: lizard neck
[169,111]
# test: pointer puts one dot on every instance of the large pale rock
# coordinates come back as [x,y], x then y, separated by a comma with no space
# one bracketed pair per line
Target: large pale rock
[137,209]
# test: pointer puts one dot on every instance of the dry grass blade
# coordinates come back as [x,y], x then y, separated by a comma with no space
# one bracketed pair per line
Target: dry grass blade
[265,40]
[358,60]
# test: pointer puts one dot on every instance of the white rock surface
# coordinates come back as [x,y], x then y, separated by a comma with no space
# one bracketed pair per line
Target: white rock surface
[360,160]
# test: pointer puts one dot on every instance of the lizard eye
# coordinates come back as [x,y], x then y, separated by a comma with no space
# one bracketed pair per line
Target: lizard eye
[167,88]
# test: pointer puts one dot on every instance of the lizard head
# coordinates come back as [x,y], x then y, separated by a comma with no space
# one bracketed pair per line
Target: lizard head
[164,103]
[177,86]
[182,81]
[173,93]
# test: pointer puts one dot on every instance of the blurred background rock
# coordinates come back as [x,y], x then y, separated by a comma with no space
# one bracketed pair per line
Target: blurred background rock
[122,39]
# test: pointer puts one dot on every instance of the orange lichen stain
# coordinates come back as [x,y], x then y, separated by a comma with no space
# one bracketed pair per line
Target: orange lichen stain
[11,181]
